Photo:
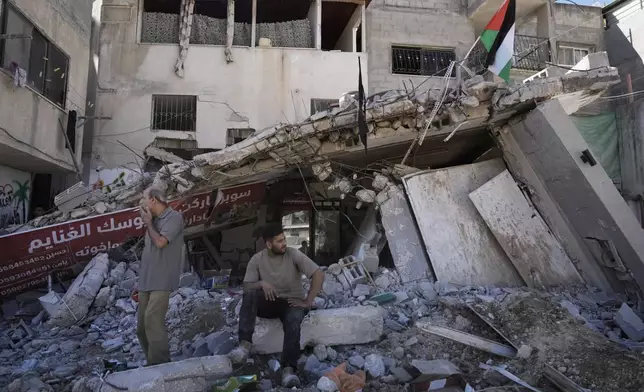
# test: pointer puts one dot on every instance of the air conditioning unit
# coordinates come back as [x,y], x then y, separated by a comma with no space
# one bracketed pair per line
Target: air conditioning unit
[73,197]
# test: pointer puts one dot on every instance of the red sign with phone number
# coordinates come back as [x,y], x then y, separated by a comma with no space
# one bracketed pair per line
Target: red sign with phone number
[29,257]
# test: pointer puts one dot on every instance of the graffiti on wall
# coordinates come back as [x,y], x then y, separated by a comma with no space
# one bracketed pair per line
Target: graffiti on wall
[15,192]
[14,198]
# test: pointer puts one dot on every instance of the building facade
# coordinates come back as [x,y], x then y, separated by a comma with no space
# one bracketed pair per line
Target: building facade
[287,60]
[44,50]
[411,40]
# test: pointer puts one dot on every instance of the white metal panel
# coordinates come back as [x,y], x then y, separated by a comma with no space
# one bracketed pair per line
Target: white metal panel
[523,234]
[460,246]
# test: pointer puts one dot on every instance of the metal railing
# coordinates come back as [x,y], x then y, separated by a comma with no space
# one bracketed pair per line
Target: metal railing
[409,60]
[530,53]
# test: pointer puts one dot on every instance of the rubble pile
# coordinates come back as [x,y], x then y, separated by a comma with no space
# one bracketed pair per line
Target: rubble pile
[397,334]
[392,114]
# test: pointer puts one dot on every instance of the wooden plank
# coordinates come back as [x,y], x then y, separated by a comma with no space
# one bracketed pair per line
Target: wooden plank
[461,248]
[523,234]
[469,339]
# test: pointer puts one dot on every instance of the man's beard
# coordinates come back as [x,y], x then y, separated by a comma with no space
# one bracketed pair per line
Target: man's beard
[277,250]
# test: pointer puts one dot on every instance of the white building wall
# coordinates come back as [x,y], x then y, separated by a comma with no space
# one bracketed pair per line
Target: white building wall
[36,142]
[262,87]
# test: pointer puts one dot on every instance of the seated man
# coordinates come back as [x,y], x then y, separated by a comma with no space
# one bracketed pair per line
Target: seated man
[273,289]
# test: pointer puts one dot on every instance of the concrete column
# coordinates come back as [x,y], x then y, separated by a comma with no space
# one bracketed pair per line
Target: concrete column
[546,27]
[315,17]
[253,26]
[363,24]
[583,192]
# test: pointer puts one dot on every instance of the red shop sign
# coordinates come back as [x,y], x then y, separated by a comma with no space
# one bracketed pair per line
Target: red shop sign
[29,256]
[229,198]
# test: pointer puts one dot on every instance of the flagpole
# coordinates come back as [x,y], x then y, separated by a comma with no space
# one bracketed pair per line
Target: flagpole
[460,63]
[471,49]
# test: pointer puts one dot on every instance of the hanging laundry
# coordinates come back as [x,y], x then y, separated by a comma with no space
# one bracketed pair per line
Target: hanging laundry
[20,77]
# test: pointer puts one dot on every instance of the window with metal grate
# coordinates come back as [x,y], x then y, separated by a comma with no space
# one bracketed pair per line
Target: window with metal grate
[416,60]
[174,113]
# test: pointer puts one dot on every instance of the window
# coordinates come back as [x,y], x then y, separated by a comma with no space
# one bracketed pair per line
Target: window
[236,135]
[410,60]
[27,49]
[174,113]
[569,55]
[320,105]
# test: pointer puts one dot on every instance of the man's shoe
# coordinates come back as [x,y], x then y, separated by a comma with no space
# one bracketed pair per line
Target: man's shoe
[289,379]
[239,355]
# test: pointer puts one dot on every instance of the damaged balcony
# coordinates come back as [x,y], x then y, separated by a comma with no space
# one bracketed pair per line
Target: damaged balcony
[531,56]
[325,25]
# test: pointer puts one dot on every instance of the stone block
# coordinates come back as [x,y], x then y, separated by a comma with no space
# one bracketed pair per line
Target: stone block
[432,370]
[630,323]
[331,327]
[186,375]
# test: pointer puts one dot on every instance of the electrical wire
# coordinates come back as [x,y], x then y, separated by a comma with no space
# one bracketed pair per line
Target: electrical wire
[34,147]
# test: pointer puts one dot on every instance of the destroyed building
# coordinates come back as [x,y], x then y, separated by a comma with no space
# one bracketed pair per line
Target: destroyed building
[475,238]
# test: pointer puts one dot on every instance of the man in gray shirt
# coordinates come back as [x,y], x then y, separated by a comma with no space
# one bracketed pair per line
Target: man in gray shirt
[159,274]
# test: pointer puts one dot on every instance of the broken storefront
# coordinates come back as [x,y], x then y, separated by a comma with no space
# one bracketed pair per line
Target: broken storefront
[430,240]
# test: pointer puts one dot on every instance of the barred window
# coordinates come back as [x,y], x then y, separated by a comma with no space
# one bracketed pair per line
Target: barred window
[174,113]
[416,60]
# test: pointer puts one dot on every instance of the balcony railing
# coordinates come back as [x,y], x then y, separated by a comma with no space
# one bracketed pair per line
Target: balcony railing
[530,53]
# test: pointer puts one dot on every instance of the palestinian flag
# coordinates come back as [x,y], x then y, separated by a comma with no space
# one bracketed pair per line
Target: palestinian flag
[498,39]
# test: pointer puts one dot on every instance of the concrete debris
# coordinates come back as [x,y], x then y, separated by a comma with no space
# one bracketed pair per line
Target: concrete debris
[384,340]
[354,325]
[187,375]
[630,323]
[433,370]
[374,366]
[77,300]
[325,384]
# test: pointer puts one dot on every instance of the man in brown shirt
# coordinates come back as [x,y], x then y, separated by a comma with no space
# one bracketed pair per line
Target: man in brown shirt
[273,289]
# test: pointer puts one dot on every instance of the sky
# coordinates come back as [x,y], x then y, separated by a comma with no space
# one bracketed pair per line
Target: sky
[600,3]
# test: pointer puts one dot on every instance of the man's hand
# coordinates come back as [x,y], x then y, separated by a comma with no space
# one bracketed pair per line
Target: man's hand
[299,303]
[146,215]
[269,291]
[135,292]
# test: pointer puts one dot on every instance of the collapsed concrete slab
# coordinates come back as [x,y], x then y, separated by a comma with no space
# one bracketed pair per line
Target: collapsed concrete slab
[79,297]
[190,375]
[331,327]
[405,243]
[580,187]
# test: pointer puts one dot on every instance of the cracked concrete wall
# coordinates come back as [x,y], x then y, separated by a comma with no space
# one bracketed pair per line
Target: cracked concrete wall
[262,87]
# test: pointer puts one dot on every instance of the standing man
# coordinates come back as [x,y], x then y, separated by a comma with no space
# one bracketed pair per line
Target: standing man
[305,247]
[273,289]
[159,274]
